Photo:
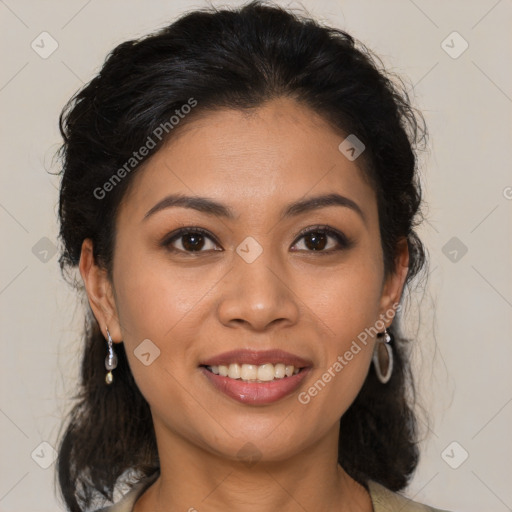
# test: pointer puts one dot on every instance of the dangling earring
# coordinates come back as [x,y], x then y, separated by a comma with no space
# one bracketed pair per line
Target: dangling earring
[383,351]
[110,360]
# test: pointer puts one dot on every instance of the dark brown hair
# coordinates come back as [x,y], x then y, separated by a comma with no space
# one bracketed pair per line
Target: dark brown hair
[235,59]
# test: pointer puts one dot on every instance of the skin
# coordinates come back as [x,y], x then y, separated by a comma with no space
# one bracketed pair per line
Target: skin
[193,306]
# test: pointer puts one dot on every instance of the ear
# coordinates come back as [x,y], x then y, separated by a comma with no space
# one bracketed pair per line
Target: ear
[395,281]
[99,292]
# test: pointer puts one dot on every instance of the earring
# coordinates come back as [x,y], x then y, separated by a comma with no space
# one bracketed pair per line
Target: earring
[383,351]
[110,360]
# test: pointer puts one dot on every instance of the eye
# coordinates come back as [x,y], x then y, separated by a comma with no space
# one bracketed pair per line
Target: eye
[322,239]
[191,240]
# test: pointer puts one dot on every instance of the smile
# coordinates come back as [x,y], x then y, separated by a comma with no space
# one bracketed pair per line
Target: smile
[256,392]
[255,373]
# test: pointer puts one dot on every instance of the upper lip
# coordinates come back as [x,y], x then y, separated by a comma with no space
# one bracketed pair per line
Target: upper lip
[256,357]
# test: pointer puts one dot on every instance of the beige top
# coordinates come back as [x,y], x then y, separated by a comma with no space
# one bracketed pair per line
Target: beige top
[383,500]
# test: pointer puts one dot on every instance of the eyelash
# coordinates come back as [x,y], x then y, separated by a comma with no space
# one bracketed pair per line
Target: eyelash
[343,241]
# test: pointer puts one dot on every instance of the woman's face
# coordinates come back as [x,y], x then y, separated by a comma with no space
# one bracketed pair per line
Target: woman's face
[249,281]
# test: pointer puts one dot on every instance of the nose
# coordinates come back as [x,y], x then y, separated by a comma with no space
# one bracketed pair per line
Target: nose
[258,295]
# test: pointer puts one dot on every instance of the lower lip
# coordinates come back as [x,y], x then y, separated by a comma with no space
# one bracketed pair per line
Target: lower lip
[256,393]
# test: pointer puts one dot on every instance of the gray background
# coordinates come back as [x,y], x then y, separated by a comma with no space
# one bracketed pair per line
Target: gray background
[463,321]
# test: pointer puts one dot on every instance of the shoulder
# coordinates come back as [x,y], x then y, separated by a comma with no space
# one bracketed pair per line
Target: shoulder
[384,500]
[127,502]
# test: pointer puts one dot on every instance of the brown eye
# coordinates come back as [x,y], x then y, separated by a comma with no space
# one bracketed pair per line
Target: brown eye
[315,240]
[322,240]
[190,240]
[193,242]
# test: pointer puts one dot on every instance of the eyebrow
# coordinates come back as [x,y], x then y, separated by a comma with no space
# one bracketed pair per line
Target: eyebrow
[212,207]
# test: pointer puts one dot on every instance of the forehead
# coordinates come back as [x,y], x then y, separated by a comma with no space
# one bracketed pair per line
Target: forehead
[275,154]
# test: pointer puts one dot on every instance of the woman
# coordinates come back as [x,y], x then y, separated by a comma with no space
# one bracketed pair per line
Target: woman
[239,192]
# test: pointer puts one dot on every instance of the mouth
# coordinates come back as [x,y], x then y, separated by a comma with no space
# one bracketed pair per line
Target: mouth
[256,377]
[256,366]
[267,372]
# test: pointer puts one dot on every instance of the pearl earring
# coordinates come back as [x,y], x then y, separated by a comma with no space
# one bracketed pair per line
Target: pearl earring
[110,360]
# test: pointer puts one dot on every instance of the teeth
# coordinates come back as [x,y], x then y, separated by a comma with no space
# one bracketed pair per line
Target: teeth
[266,372]
[248,372]
[234,371]
[288,370]
[251,372]
[279,370]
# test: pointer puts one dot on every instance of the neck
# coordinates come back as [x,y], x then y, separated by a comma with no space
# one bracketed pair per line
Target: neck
[195,480]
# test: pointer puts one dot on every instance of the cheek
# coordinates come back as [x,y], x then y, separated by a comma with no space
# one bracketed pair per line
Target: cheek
[154,305]
[344,300]
[345,304]
[165,304]
[153,297]
[346,351]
